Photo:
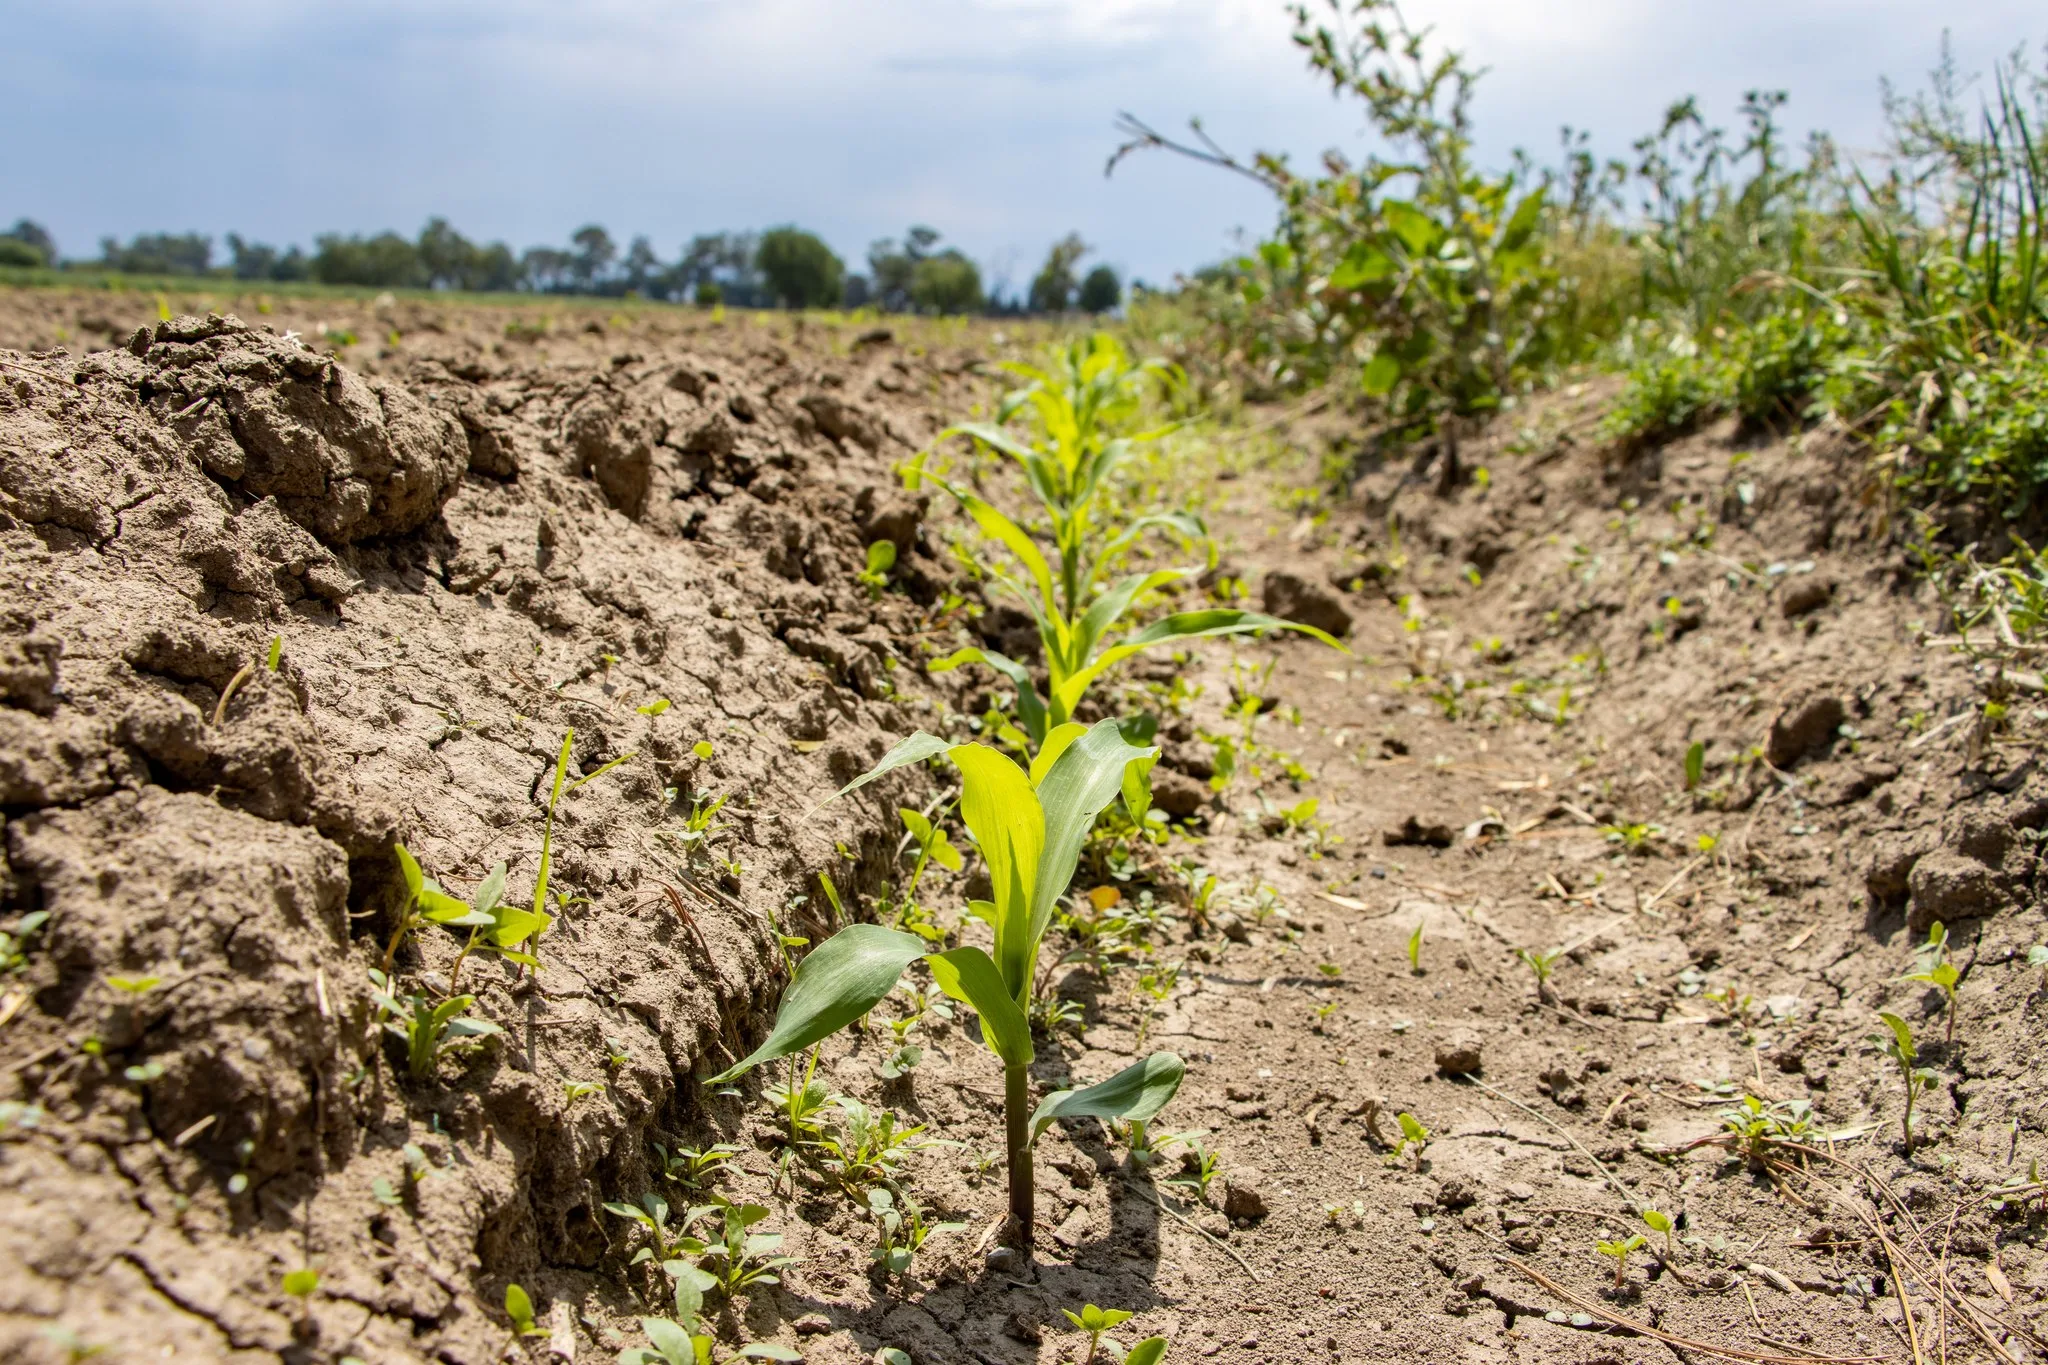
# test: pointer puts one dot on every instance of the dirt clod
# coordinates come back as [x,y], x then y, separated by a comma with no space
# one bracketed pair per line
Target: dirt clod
[1291,597]
[1803,727]
[1459,1055]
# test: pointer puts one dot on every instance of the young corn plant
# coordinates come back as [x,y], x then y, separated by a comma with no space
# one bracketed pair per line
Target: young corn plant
[690,1167]
[1900,1048]
[1199,1168]
[1077,410]
[1029,827]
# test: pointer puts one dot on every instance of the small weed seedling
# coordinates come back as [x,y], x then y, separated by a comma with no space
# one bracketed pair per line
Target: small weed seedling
[866,1146]
[1414,1138]
[1899,1047]
[14,943]
[1620,1250]
[2037,956]
[681,1342]
[690,1167]
[1633,838]
[741,1260]
[519,1308]
[651,1213]
[428,1028]
[573,1091]
[800,1102]
[1660,1223]
[903,1230]
[1938,971]
[1542,965]
[1199,1167]
[1754,1127]
[301,1284]
[1695,764]
[1415,951]
[875,577]
[1097,1321]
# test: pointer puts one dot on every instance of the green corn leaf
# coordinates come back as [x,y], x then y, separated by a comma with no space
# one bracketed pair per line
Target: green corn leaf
[1049,750]
[915,749]
[1109,608]
[843,979]
[1137,786]
[1030,708]
[1185,625]
[1139,1091]
[1008,823]
[1085,778]
[969,975]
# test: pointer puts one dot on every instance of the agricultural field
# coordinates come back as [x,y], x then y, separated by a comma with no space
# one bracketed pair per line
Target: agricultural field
[1463,787]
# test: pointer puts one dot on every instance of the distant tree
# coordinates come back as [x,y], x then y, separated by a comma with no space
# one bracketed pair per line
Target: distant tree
[723,260]
[643,270]
[946,283]
[449,259]
[894,268]
[250,260]
[857,292]
[493,269]
[159,253]
[595,252]
[544,269]
[387,260]
[19,254]
[800,269]
[35,237]
[1101,290]
[1052,289]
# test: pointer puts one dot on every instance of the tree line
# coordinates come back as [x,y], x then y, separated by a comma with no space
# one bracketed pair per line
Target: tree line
[780,267]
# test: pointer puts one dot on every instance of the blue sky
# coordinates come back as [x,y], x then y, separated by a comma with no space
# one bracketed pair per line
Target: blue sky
[988,119]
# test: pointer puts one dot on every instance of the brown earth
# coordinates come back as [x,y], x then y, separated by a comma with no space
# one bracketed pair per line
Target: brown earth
[480,546]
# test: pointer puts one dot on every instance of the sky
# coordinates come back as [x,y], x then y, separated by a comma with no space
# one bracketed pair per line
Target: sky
[990,120]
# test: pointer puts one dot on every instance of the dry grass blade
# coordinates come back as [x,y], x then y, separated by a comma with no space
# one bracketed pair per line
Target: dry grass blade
[1597,1310]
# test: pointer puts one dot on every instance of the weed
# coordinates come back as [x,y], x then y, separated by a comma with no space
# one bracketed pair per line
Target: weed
[15,942]
[1199,1167]
[428,1028]
[1755,1126]
[1030,828]
[743,1260]
[1938,971]
[1898,1045]
[573,1091]
[1661,1223]
[875,577]
[690,1167]
[902,1229]
[651,1214]
[135,985]
[800,1102]
[1541,965]
[519,1308]
[866,1146]
[615,1055]
[301,1284]
[1095,1321]
[680,1342]
[1415,951]
[2037,956]
[1633,838]
[1413,1140]
[1620,1250]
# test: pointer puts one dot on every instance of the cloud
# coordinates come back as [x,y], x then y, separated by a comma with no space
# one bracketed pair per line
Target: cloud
[989,119]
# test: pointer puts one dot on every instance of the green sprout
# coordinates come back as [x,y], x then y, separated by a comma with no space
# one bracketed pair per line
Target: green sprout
[14,943]
[1095,1321]
[1029,828]
[135,985]
[1414,1138]
[428,1028]
[519,1308]
[681,1342]
[1695,764]
[1899,1047]
[690,1167]
[1415,950]
[300,1284]
[875,577]
[1542,964]
[573,1091]
[1938,971]
[1199,1168]
[2037,956]
[1620,1250]
[902,1229]
[1660,1223]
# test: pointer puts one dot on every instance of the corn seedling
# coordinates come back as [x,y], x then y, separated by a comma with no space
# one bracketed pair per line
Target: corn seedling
[573,1091]
[519,1308]
[902,1230]
[14,943]
[1938,971]
[875,577]
[1695,764]
[1029,828]
[429,1028]
[1900,1048]
[1077,411]
[1415,951]
[516,928]
[799,1103]
[690,1167]
[1620,1250]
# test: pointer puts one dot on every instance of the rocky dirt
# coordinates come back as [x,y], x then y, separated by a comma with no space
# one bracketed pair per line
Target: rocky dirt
[482,537]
